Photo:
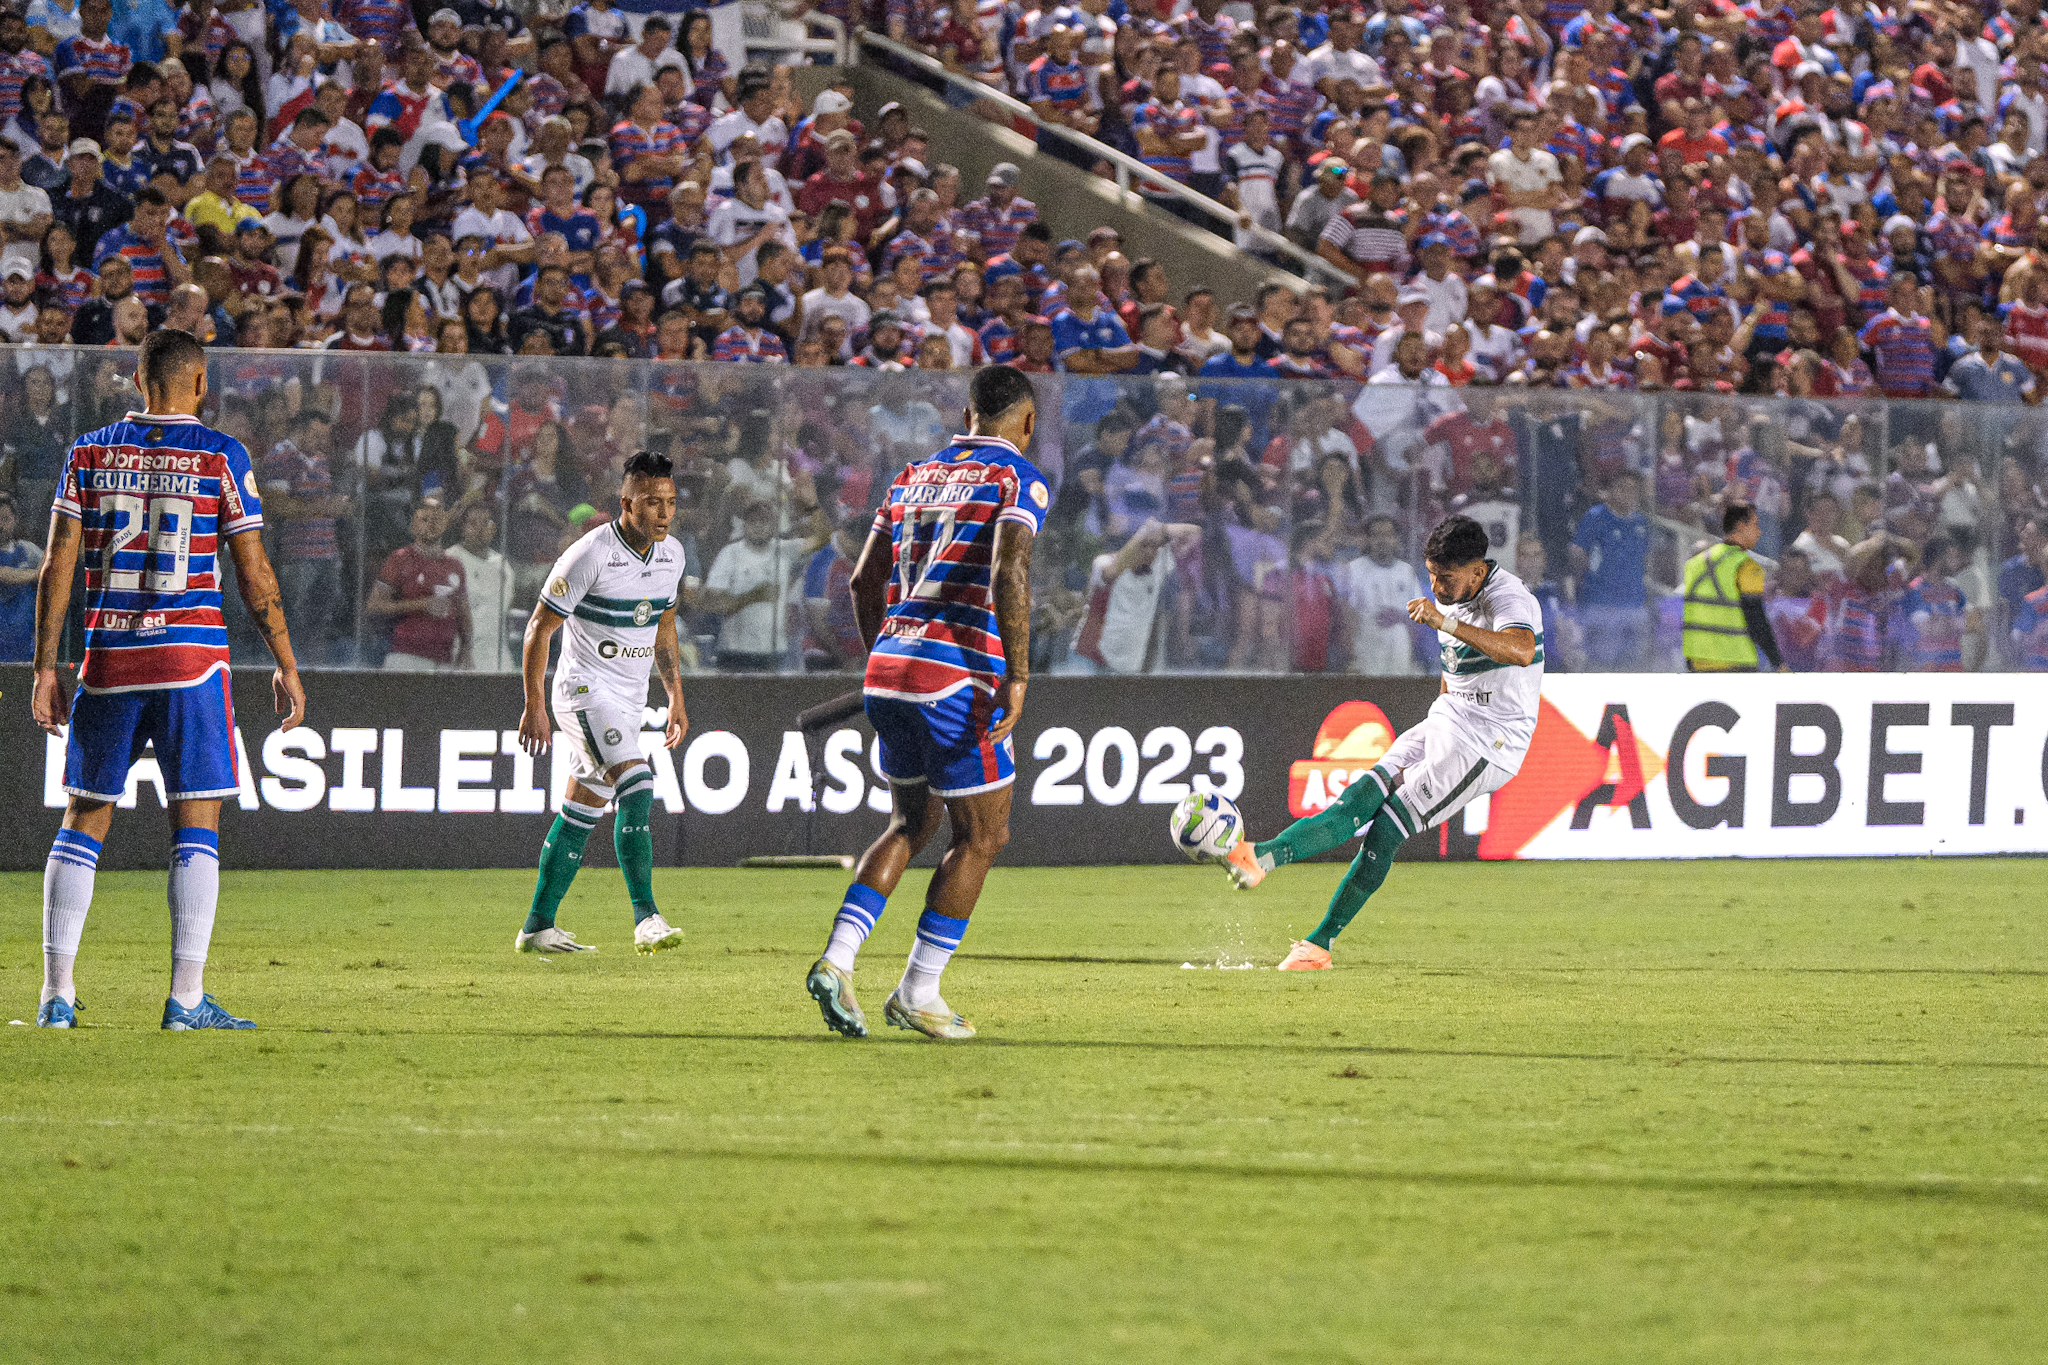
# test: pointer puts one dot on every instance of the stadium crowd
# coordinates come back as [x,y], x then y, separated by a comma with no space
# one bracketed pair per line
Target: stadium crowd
[1654,211]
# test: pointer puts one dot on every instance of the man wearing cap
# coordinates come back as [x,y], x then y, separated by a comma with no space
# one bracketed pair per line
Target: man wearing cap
[1441,285]
[831,112]
[1633,179]
[748,340]
[1319,201]
[843,180]
[451,63]
[254,277]
[24,209]
[17,300]
[1000,216]
[88,208]
[1409,312]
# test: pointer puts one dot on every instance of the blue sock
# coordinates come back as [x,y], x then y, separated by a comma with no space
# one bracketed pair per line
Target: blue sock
[854,922]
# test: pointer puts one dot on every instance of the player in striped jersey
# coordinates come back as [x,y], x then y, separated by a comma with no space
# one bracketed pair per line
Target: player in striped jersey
[1473,741]
[613,596]
[942,593]
[145,503]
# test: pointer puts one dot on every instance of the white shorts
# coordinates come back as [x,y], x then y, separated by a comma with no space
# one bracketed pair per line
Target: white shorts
[600,734]
[1443,770]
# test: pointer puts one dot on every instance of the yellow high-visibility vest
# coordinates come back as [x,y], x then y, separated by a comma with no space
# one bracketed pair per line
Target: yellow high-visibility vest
[1715,634]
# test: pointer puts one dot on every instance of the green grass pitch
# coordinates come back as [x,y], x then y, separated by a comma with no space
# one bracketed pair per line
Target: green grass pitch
[1622,1113]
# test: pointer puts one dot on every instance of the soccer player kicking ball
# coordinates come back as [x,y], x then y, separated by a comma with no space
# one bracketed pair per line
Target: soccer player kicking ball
[942,593]
[145,503]
[1473,740]
[613,596]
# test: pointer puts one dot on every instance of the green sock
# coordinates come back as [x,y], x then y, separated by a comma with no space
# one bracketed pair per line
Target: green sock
[1314,834]
[560,856]
[1368,870]
[633,837]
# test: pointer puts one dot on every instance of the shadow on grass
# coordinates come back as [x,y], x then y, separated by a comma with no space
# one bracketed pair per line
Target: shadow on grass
[2013,1196]
[1160,1045]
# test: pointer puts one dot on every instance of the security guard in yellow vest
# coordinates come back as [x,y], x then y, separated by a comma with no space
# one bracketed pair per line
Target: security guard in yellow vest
[1726,627]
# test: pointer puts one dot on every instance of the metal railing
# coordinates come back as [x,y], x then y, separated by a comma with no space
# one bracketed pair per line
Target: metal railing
[1126,167]
[769,29]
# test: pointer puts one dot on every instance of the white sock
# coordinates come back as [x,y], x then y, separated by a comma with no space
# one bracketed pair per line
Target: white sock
[67,896]
[858,912]
[937,938]
[194,892]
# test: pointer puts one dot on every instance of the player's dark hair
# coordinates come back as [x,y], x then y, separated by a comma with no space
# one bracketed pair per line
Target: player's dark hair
[1734,515]
[997,389]
[648,464]
[167,355]
[1456,540]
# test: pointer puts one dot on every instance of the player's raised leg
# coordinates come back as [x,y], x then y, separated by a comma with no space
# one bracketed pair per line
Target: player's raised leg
[913,819]
[1248,863]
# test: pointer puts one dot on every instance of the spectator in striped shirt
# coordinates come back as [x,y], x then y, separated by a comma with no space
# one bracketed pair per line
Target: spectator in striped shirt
[1901,343]
[91,66]
[748,340]
[998,218]
[156,262]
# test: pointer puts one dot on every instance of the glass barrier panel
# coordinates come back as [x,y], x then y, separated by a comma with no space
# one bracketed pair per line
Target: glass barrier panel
[415,505]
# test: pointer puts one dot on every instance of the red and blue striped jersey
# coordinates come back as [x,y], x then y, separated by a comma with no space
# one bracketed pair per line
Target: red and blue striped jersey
[105,60]
[154,496]
[382,22]
[14,73]
[1061,83]
[941,516]
[152,276]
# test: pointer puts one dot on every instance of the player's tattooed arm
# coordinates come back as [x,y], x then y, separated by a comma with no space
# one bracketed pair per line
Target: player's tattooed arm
[668,662]
[1013,619]
[257,583]
[870,586]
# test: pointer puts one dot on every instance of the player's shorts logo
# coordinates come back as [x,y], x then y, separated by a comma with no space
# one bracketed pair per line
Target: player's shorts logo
[643,612]
[559,588]
[611,736]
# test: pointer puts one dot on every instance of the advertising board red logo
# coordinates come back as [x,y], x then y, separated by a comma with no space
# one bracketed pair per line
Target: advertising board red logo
[1350,740]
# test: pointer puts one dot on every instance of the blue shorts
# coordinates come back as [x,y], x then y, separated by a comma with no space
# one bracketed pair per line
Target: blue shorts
[193,729]
[944,743]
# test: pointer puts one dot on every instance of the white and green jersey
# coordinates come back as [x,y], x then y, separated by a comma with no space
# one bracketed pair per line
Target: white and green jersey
[612,598]
[1493,702]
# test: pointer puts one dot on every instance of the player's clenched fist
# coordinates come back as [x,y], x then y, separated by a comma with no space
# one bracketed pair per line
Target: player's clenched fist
[1424,612]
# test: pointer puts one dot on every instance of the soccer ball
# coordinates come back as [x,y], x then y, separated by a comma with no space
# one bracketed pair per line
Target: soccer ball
[1205,826]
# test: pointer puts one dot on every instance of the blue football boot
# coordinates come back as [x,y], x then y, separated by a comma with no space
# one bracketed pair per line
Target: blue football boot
[58,1013]
[178,1019]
